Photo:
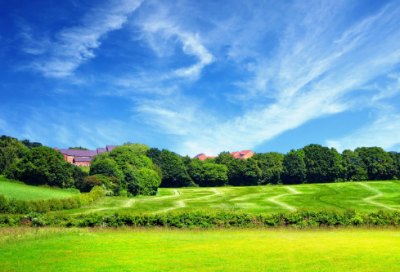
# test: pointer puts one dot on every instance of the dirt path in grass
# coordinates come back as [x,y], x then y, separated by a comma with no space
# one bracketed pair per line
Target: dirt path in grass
[182,204]
[286,206]
[129,203]
[378,194]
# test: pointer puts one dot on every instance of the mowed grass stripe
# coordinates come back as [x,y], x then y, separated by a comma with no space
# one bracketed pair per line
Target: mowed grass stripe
[257,199]
[26,192]
[222,250]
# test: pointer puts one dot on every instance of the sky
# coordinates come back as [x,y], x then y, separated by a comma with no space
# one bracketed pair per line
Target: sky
[201,76]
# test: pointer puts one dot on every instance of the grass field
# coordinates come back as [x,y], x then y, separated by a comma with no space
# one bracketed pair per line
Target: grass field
[363,196]
[212,250]
[26,192]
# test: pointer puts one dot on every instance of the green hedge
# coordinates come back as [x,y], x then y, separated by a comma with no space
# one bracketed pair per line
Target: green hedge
[209,219]
[14,206]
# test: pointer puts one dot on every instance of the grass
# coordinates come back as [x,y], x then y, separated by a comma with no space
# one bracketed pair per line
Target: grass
[212,250]
[26,192]
[363,196]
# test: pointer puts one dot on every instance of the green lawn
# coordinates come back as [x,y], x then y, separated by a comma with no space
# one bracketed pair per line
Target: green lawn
[363,196]
[26,192]
[212,250]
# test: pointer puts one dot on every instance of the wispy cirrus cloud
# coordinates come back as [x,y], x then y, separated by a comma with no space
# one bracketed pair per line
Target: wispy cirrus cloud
[316,68]
[59,57]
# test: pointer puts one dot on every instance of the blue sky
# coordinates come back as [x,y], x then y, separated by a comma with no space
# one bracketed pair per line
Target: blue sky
[201,76]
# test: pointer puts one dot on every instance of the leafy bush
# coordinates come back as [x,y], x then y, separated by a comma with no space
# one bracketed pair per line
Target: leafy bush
[89,182]
[212,219]
[14,206]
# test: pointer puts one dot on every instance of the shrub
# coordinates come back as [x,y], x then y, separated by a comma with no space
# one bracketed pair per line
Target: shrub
[90,182]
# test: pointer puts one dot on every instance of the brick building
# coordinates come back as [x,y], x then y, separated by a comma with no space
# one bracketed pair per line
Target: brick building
[245,154]
[83,157]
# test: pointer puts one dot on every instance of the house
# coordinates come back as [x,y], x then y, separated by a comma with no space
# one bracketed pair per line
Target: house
[83,157]
[245,154]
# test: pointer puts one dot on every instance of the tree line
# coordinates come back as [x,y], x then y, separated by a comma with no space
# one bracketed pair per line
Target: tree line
[136,169]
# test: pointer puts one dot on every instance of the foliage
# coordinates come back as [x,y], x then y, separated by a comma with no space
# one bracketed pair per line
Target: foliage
[224,158]
[294,168]
[30,145]
[78,148]
[207,173]
[145,182]
[106,167]
[138,149]
[89,182]
[44,165]
[244,172]
[155,155]
[353,166]
[174,171]
[271,167]
[379,163]
[322,164]
[213,219]
[11,150]
[14,206]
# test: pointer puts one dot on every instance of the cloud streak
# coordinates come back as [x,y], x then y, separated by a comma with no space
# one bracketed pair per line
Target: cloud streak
[74,46]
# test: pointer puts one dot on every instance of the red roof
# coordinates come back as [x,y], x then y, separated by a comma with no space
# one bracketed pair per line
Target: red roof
[201,157]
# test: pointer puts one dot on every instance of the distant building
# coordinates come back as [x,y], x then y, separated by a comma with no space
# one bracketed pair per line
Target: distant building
[245,154]
[83,157]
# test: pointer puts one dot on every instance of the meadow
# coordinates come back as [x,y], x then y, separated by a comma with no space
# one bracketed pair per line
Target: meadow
[26,192]
[164,249]
[363,196]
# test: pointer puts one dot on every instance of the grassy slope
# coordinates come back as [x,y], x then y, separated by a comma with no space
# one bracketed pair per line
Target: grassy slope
[363,196]
[223,250]
[26,192]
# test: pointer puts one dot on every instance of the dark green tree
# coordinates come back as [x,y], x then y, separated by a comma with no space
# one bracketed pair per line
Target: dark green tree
[224,158]
[155,155]
[271,166]
[294,168]
[11,150]
[44,165]
[322,164]
[244,172]
[30,145]
[106,167]
[353,166]
[207,173]
[378,162]
[174,171]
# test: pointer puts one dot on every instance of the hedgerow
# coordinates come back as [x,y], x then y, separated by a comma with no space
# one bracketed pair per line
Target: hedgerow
[14,206]
[209,219]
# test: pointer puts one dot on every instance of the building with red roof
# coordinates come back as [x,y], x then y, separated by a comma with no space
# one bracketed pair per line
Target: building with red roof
[244,154]
[83,157]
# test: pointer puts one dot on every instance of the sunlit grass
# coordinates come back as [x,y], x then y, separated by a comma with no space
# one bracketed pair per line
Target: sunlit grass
[363,196]
[26,192]
[211,250]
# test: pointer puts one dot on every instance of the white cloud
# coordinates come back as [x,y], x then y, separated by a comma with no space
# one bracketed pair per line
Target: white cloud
[74,46]
[383,132]
[312,73]
[160,28]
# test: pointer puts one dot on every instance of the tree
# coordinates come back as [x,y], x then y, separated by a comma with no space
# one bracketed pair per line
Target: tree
[294,168]
[271,167]
[139,149]
[244,172]
[11,150]
[145,182]
[224,158]
[155,155]
[378,162]
[89,182]
[396,162]
[30,145]
[106,167]
[207,173]
[78,148]
[322,164]
[174,171]
[353,166]
[44,165]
